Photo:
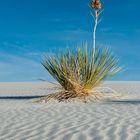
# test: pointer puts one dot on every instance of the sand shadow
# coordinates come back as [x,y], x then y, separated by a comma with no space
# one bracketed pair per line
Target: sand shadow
[132,102]
[18,97]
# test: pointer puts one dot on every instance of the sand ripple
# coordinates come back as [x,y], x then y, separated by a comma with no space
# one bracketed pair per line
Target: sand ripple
[23,120]
[97,121]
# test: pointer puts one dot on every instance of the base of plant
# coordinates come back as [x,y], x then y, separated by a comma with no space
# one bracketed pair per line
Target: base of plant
[70,96]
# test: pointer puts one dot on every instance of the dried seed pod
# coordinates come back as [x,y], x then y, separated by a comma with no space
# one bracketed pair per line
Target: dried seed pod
[92,4]
[96,4]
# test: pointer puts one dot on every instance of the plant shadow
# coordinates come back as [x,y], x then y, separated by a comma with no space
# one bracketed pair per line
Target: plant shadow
[19,97]
[132,102]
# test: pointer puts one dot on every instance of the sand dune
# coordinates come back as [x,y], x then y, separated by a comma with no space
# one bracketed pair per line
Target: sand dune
[20,119]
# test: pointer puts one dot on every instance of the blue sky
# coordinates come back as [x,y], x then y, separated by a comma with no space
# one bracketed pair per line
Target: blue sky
[30,28]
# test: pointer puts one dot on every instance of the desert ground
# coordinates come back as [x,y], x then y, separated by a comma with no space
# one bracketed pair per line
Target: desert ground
[115,119]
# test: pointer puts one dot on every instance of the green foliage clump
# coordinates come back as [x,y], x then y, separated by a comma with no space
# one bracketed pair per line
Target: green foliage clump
[81,71]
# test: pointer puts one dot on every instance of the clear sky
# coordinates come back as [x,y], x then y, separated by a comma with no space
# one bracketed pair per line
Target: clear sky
[30,28]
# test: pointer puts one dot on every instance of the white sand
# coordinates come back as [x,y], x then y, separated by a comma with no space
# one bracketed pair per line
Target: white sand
[23,120]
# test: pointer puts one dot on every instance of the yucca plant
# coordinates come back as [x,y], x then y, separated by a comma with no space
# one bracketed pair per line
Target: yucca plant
[80,72]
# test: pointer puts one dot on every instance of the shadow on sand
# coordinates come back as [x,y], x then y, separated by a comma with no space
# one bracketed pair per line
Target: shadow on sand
[132,102]
[18,97]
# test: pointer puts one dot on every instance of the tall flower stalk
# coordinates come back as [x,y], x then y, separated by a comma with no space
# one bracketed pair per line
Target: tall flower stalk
[96,7]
